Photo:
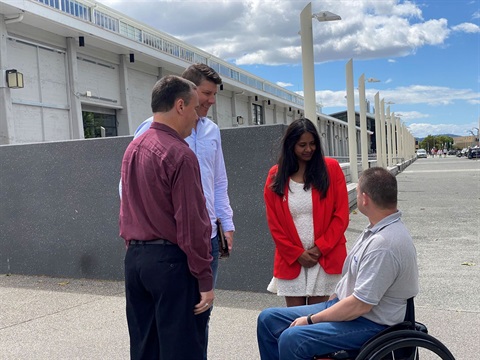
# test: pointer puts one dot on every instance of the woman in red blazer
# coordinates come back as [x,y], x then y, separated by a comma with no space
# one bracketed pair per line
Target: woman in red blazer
[307,212]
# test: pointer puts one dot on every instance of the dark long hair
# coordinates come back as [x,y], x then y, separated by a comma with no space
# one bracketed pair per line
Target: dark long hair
[316,174]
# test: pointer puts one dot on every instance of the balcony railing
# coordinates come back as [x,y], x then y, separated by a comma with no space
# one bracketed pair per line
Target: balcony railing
[107,19]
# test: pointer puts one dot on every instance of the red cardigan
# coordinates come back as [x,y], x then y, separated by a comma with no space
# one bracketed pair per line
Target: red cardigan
[330,221]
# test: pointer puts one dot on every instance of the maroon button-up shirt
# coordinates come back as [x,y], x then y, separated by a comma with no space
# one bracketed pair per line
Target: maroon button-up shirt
[162,198]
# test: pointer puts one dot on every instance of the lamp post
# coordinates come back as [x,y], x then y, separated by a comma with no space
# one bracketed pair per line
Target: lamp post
[363,119]
[384,136]
[378,131]
[306,35]
[352,126]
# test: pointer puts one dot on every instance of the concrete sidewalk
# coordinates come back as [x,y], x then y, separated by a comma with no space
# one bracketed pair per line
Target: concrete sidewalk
[51,318]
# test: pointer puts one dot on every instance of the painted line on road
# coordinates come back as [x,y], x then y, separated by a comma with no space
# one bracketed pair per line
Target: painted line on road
[439,171]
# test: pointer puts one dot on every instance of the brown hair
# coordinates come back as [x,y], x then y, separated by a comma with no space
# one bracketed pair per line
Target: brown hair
[168,89]
[197,73]
[381,186]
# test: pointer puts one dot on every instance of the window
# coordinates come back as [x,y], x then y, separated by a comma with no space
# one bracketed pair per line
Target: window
[92,123]
[257,114]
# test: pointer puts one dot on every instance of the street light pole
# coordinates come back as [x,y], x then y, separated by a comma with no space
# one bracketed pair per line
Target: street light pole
[363,119]
[378,131]
[363,122]
[352,126]
[306,35]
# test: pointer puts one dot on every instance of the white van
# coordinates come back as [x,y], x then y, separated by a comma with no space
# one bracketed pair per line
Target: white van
[421,153]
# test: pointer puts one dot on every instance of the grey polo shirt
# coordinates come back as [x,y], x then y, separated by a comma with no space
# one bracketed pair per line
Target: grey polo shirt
[381,270]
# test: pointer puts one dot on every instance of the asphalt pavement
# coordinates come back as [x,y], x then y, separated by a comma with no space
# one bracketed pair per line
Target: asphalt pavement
[55,318]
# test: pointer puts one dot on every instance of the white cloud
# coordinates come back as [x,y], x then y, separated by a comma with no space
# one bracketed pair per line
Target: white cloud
[266,31]
[424,129]
[414,94]
[467,28]
[476,15]
[388,81]
[392,60]
[283,84]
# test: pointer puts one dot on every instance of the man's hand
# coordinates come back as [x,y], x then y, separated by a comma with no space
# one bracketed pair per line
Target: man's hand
[229,237]
[299,321]
[206,302]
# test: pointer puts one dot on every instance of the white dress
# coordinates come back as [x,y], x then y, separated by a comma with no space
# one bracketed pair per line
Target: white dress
[311,281]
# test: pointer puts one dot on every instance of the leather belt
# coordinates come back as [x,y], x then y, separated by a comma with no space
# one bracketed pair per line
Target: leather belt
[151,242]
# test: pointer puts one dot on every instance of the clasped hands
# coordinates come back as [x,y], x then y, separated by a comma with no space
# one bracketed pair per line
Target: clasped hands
[310,257]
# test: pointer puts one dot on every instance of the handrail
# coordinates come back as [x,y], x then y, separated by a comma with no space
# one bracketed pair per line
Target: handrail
[111,20]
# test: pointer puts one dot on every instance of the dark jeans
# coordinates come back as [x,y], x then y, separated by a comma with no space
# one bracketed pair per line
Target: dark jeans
[214,265]
[161,294]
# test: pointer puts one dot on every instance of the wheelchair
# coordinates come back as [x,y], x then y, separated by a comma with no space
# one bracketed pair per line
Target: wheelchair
[408,340]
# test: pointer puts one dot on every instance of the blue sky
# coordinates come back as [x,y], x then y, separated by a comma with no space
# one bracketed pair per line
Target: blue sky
[426,53]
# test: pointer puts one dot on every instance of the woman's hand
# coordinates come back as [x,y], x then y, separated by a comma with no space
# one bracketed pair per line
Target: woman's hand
[315,252]
[307,260]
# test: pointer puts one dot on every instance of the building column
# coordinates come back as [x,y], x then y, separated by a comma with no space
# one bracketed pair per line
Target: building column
[7,128]
[76,119]
[125,126]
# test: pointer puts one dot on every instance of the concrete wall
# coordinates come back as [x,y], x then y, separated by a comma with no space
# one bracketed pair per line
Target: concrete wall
[59,207]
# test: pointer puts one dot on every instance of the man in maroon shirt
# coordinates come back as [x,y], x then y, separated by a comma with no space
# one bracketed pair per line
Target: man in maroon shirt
[165,224]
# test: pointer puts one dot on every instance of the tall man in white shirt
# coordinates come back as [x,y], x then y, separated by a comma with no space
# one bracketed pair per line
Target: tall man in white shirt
[206,143]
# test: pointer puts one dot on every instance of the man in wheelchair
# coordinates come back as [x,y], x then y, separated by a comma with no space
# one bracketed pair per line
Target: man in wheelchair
[379,275]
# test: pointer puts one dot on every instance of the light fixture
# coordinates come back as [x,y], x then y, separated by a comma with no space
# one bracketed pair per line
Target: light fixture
[256,98]
[289,108]
[326,16]
[221,87]
[81,41]
[14,79]
[132,58]
[240,120]
[268,102]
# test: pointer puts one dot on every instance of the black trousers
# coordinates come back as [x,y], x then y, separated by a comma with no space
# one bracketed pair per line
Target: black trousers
[161,294]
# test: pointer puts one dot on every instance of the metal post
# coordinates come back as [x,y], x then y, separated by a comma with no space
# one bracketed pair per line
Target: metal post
[352,128]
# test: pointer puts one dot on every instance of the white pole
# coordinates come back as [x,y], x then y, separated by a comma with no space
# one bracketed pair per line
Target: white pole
[306,35]
[352,128]
[363,122]
[378,131]
[399,138]
[389,138]
[393,124]
[384,137]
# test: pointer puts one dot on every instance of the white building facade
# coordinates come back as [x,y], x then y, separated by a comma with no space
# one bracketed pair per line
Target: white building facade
[88,71]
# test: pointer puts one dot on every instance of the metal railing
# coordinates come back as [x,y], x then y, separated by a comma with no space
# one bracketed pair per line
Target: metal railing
[109,19]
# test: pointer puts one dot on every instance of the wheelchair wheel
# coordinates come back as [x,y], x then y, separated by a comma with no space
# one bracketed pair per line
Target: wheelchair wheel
[405,345]
[416,349]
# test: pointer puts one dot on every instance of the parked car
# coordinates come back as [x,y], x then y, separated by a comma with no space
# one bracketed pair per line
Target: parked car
[473,153]
[452,152]
[421,153]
